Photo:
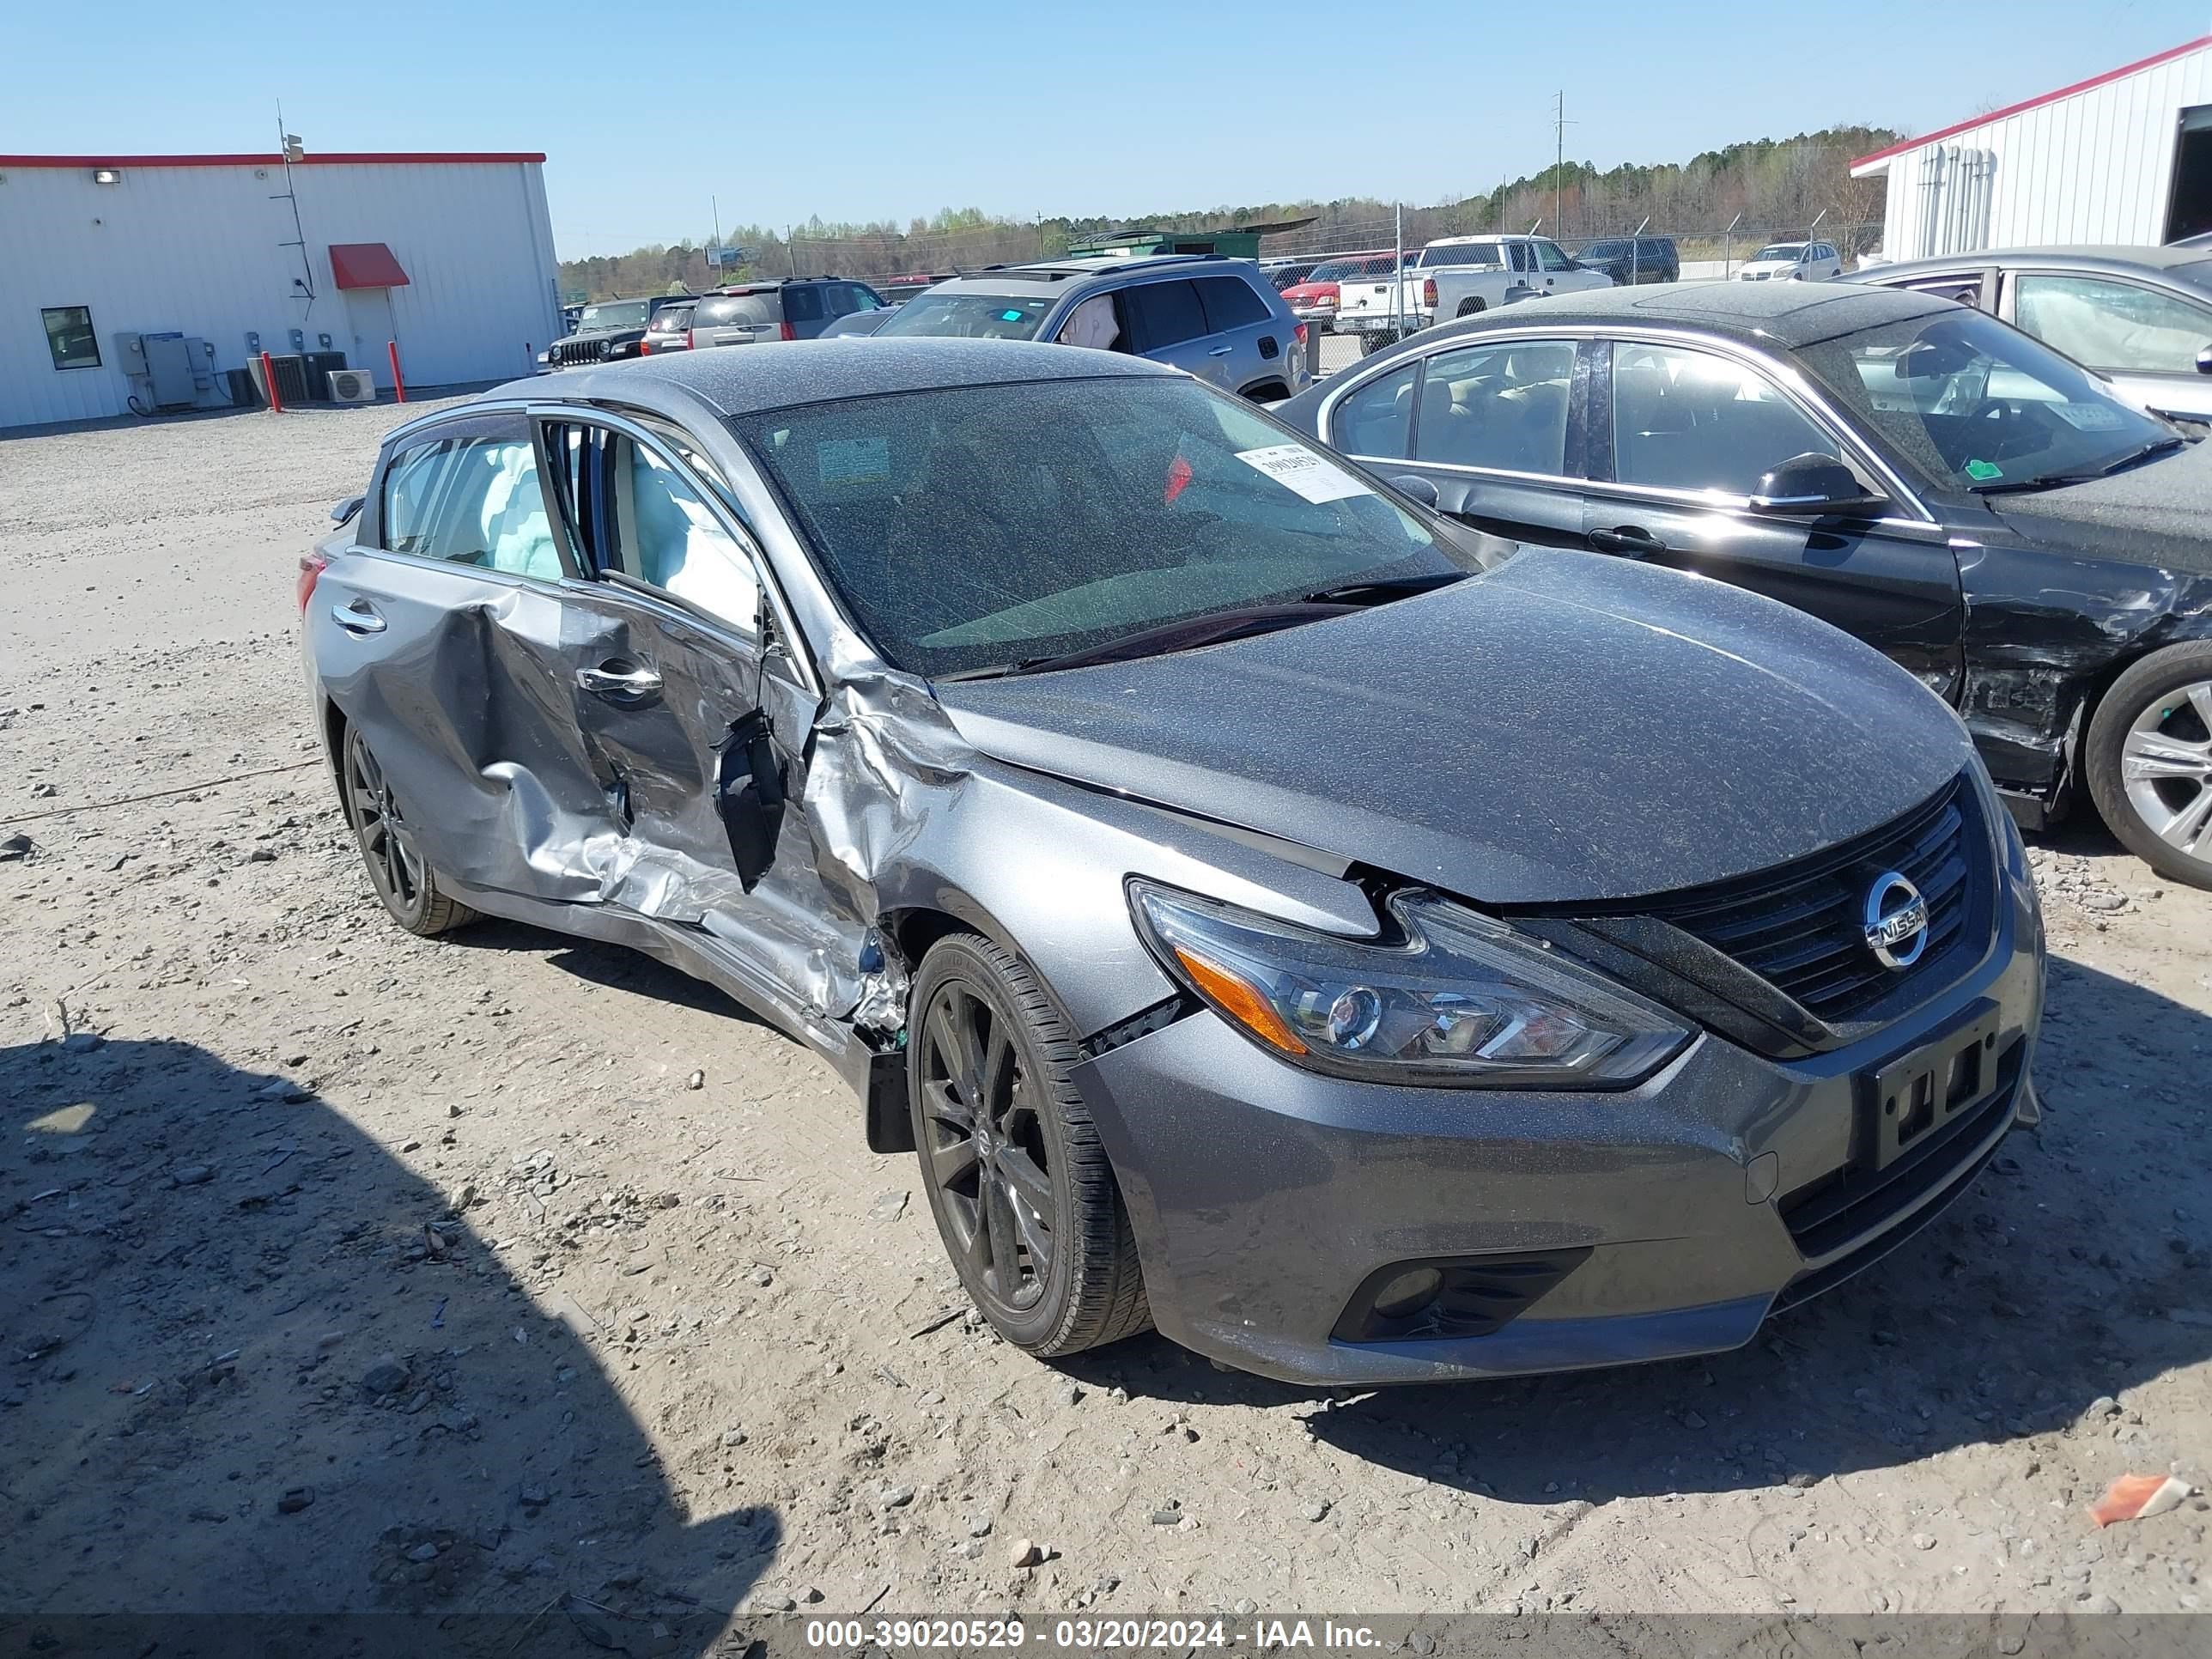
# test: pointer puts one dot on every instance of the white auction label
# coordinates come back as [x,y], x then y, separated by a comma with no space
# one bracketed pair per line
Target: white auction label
[1298,468]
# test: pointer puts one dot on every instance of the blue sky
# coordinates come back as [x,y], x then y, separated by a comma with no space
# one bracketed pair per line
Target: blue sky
[861,110]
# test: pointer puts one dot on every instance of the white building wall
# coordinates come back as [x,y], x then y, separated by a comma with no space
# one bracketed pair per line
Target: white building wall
[2093,167]
[200,249]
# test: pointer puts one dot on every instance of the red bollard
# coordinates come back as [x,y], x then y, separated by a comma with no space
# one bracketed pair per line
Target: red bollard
[399,385]
[269,379]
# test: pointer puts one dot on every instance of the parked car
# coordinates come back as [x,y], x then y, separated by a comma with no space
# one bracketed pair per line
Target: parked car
[669,330]
[1288,273]
[607,332]
[1461,276]
[1156,822]
[2141,317]
[1216,317]
[1794,262]
[897,290]
[796,309]
[2035,551]
[861,322]
[1314,301]
[1630,260]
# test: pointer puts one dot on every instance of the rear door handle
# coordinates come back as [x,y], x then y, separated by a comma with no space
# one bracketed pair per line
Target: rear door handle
[613,679]
[357,617]
[1221,351]
[1627,540]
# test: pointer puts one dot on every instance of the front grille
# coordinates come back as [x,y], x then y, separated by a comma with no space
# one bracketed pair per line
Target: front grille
[1802,928]
[571,354]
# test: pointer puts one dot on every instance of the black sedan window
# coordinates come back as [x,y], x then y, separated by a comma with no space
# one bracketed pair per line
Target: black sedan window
[974,527]
[1975,403]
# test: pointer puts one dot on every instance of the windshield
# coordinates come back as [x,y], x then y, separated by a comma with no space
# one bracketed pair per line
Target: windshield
[1781,253]
[615,313]
[1491,255]
[1972,402]
[972,316]
[977,526]
[1602,250]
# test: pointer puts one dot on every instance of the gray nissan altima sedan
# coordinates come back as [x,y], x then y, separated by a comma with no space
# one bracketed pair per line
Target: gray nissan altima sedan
[1368,950]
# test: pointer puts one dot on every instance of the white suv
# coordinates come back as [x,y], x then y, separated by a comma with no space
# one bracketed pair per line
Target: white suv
[1794,262]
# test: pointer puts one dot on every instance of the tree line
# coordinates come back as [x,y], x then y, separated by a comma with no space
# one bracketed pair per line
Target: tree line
[1766,187]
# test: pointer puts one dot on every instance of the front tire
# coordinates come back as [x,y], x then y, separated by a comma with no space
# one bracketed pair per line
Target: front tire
[2148,761]
[403,879]
[1023,1193]
[1372,343]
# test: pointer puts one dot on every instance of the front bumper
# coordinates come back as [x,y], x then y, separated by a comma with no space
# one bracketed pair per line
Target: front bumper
[1265,1197]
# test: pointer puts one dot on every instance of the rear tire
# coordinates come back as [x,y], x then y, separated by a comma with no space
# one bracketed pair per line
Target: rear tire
[1471,307]
[404,880]
[2148,761]
[1023,1195]
[1372,343]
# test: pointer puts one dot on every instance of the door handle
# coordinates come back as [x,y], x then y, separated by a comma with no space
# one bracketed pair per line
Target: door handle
[611,680]
[357,617]
[1628,539]
[1221,351]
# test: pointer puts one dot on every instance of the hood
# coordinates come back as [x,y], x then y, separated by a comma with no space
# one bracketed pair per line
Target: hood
[1307,293]
[2159,514]
[1565,727]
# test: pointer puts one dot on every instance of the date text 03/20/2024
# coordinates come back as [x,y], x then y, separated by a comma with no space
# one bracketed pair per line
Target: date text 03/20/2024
[1086,1635]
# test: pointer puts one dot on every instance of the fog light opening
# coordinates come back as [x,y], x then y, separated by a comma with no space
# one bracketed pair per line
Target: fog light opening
[1407,1294]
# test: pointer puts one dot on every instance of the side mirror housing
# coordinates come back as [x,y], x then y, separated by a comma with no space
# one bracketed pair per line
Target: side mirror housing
[1421,489]
[1813,485]
[344,511]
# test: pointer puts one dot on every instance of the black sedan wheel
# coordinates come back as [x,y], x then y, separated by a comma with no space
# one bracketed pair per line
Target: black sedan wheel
[2150,761]
[1023,1193]
[396,868]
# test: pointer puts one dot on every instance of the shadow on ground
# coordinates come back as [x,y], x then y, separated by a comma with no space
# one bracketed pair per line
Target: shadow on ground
[255,1365]
[2051,1283]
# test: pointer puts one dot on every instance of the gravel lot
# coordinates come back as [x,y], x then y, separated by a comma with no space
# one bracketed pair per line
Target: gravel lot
[347,1270]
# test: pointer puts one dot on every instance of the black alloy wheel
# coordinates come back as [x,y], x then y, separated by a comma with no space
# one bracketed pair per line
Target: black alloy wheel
[395,867]
[1023,1193]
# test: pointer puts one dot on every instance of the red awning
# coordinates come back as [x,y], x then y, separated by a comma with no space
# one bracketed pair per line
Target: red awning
[366,264]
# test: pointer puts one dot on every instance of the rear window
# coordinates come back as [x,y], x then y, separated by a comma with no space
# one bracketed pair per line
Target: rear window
[726,310]
[1230,303]
[1605,250]
[969,315]
[1488,254]
[803,305]
[669,318]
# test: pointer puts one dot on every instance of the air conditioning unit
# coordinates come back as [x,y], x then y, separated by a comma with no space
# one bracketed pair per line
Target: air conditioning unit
[352,386]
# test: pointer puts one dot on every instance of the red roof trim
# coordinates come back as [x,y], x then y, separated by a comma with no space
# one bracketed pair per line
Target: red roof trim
[366,264]
[2094,82]
[327,159]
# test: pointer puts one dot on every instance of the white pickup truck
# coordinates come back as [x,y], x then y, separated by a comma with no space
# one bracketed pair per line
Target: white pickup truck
[1457,277]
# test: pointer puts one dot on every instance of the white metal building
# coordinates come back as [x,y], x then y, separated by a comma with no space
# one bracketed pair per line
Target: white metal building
[2123,158]
[146,278]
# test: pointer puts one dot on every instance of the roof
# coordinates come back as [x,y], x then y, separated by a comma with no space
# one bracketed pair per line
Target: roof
[749,380]
[1876,162]
[366,264]
[1788,314]
[1057,277]
[331,158]
[2087,256]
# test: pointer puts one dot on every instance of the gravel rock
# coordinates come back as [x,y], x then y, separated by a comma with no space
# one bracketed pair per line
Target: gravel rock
[425,1551]
[192,1175]
[295,1499]
[1025,1553]
[389,1374]
[1316,1511]
[980,1527]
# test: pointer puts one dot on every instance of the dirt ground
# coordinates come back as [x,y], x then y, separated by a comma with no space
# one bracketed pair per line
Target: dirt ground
[345,1271]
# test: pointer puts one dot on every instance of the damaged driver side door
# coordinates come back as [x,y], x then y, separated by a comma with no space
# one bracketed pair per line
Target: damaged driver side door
[693,708]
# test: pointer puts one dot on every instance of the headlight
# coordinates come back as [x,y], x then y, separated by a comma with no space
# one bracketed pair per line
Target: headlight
[1455,1000]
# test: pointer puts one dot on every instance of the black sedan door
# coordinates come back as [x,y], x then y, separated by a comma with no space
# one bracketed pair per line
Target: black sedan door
[1496,425]
[1680,437]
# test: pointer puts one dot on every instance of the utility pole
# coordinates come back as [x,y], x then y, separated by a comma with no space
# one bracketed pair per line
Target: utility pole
[1559,125]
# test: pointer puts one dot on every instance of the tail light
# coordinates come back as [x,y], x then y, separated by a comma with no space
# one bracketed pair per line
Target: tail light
[312,565]
[1299,333]
[690,342]
[786,332]
[1429,292]
[645,347]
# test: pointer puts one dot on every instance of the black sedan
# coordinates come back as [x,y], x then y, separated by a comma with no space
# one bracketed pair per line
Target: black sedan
[1914,471]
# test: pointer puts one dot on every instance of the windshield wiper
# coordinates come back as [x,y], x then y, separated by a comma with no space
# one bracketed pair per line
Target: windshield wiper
[2059,480]
[1382,590]
[1185,634]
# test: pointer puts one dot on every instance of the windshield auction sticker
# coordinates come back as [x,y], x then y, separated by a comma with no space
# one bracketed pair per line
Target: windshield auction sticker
[1298,468]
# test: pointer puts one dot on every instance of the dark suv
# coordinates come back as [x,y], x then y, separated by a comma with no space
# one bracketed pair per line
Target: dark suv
[797,309]
[1632,259]
[608,332]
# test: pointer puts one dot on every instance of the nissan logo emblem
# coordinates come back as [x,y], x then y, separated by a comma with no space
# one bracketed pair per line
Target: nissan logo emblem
[1896,920]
